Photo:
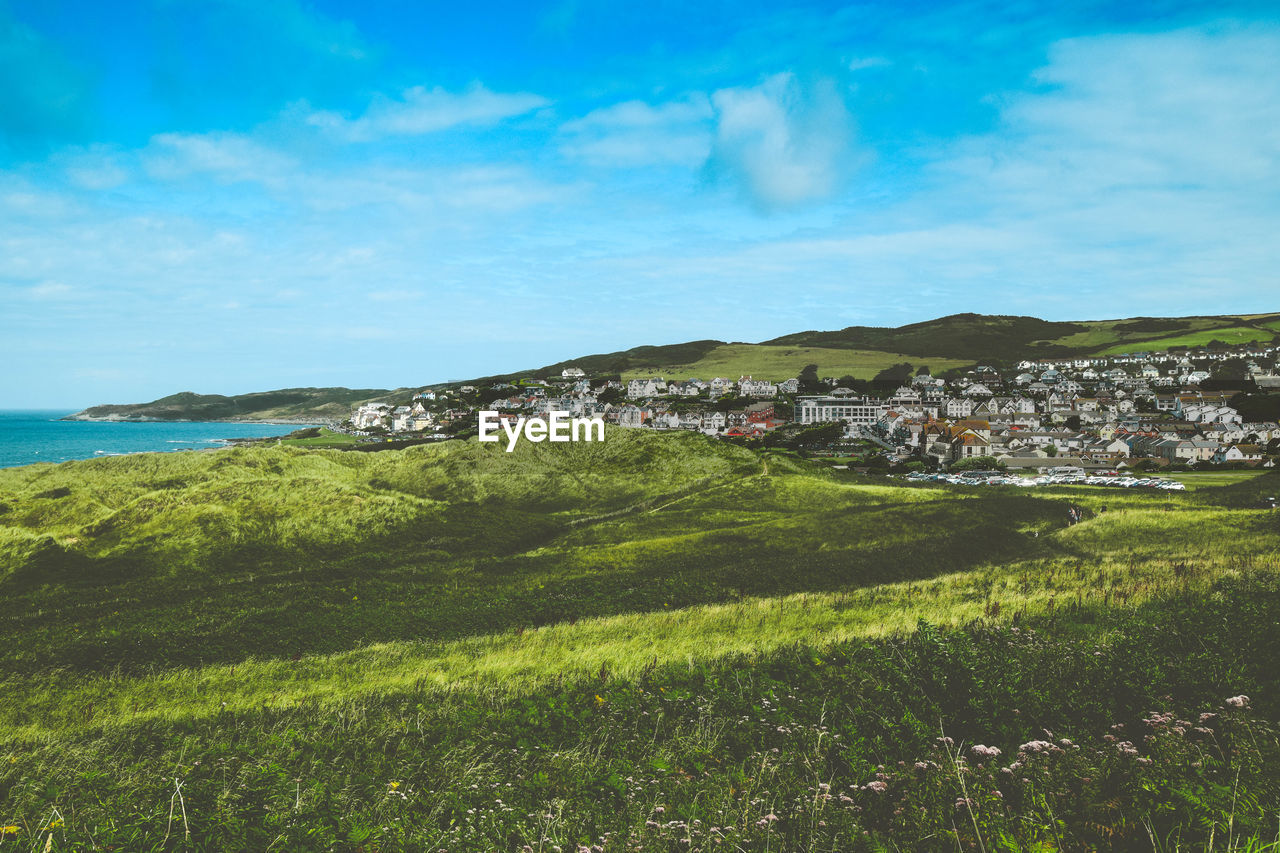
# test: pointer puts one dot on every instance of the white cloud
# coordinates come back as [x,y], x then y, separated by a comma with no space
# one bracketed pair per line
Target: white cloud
[94,168]
[1191,110]
[421,111]
[634,133]
[785,144]
[1163,150]
[50,290]
[862,63]
[227,157]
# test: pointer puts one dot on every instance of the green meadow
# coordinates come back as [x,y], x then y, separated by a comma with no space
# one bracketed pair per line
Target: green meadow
[1228,334]
[656,642]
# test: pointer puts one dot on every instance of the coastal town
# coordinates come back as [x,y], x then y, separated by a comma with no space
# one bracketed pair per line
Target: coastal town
[1137,411]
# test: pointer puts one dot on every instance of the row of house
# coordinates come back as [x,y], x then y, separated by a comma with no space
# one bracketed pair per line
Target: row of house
[1105,409]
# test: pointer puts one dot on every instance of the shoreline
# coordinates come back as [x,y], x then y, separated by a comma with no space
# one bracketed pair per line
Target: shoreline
[45,438]
[148,420]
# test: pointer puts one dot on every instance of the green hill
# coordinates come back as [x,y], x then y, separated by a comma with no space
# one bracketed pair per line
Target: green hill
[452,647]
[959,340]
[985,337]
[285,404]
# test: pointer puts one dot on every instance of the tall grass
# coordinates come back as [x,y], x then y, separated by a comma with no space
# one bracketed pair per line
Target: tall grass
[318,650]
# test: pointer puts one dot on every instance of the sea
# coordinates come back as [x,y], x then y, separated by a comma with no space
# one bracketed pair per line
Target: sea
[27,437]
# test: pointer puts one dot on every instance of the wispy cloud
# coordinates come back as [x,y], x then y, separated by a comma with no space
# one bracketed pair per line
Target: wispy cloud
[759,174]
[783,142]
[420,110]
[635,133]
[50,290]
[226,157]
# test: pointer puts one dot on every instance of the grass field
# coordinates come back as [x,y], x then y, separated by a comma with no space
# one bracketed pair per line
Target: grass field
[785,362]
[657,641]
[1229,335]
[1101,334]
[1211,479]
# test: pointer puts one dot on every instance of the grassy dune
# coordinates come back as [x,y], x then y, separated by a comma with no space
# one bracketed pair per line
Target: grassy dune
[449,647]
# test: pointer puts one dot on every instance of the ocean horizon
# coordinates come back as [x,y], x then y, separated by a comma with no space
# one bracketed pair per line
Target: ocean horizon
[29,436]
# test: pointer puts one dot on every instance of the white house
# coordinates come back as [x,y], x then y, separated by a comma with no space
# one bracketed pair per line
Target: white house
[749,387]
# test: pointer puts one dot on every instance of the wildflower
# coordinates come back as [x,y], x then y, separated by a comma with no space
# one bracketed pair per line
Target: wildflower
[393,785]
[1126,748]
[8,830]
[982,752]
[1144,761]
[876,785]
[1238,702]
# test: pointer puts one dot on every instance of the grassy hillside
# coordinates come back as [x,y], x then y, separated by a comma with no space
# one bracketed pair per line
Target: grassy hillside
[954,341]
[977,336]
[285,404]
[959,340]
[784,362]
[647,638]
[1225,334]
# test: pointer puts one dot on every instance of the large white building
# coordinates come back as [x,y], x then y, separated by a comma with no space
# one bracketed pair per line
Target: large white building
[854,410]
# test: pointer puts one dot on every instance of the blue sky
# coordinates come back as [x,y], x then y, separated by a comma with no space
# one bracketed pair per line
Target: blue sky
[250,194]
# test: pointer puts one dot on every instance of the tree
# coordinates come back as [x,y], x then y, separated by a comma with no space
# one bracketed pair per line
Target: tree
[809,380]
[610,395]
[1231,368]
[978,463]
[1257,407]
[1072,423]
[798,437]
[895,375]
[1052,450]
